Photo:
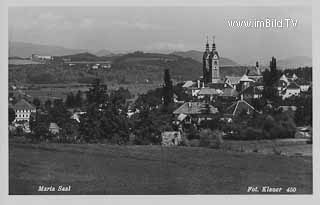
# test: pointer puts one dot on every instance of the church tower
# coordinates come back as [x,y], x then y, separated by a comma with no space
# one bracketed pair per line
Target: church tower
[215,63]
[207,64]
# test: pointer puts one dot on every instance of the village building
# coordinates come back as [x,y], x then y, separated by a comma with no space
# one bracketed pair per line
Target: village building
[245,82]
[194,113]
[171,138]
[304,87]
[209,94]
[23,110]
[54,128]
[292,90]
[229,94]
[233,81]
[255,74]
[250,93]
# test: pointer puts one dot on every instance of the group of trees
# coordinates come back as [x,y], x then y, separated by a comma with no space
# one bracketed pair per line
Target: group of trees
[270,79]
[105,119]
[74,100]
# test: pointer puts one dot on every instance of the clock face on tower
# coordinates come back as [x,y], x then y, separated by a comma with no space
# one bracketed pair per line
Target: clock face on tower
[215,57]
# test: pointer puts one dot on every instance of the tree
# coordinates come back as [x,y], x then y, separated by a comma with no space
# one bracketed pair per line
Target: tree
[97,94]
[36,102]
[70,100]
[12,115]
[48,105]
[148,125]
[270,78]
[168,88]
[59,113]
[78,99]
[106,116]
[40,131]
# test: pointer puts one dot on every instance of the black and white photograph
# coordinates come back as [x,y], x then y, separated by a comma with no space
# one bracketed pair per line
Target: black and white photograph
[160,100]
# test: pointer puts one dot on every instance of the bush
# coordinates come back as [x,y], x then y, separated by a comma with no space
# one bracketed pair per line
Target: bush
[184,141]
[194,143]
[209,138]
[251,133]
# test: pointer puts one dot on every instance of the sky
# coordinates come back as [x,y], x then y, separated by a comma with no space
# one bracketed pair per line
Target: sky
[166,29]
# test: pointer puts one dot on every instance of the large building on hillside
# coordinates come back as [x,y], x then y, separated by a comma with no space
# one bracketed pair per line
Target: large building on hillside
[211,72]
[23,110]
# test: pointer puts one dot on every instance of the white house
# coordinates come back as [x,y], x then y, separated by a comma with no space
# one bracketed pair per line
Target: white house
[23,110]
[304,87]
[292,90]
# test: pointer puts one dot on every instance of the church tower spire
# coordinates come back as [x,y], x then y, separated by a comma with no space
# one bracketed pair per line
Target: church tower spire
[206,64]
[207,45]
[213,43]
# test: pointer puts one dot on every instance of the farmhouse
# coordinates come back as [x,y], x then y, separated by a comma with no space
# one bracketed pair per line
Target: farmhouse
[23,110]
[194,113]
[292,90]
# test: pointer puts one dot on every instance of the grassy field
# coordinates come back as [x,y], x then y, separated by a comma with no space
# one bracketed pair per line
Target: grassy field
[54,91]
[106,169]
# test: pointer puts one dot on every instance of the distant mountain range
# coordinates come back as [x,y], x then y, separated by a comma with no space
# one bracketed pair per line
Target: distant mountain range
[104,52]
[197,55]
[24,50]
[294,62]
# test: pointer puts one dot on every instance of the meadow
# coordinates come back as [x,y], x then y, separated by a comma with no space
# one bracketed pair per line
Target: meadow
[96,169]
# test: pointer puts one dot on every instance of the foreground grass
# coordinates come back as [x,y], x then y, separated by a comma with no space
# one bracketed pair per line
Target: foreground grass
[106,169]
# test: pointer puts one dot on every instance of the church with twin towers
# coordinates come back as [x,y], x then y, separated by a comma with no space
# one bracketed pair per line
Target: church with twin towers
[211,72]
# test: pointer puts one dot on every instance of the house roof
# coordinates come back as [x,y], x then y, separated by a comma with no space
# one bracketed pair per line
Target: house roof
[284,78]
[208,91]
[53,126]
[293,86]
[181,117]
[253,72]
[219,85]
[188,84]
[239,107]
[23,105]
[190,108]
[217,81]
[233,79]
[245,78]
[229,92]
[252,89]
